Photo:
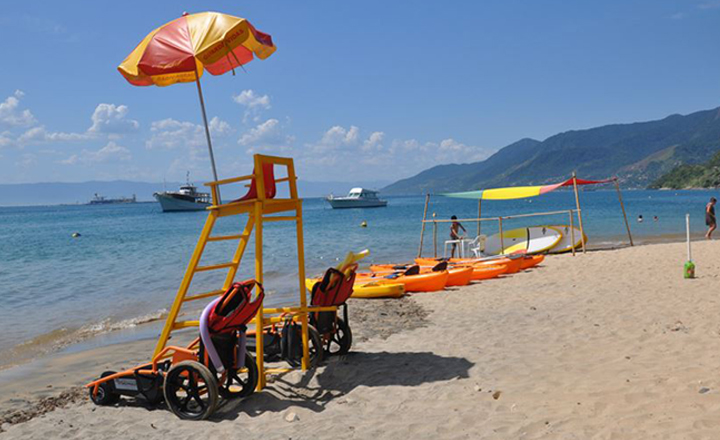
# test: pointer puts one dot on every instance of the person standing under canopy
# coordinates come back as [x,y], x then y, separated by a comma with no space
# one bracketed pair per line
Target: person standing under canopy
[455,233]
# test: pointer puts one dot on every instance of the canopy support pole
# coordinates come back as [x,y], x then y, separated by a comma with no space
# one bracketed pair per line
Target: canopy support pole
[502,241]
[479,216]
[207,131]
[577,203]
[622,206]
[572,232]
[434,237]
[422,231]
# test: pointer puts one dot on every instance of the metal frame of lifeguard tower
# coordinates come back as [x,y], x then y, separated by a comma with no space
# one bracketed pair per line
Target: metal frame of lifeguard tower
[259,211]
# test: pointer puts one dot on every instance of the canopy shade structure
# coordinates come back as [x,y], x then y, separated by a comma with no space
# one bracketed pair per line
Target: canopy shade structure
[520,192]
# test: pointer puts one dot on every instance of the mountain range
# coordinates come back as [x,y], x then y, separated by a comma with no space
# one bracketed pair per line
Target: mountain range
[637,153]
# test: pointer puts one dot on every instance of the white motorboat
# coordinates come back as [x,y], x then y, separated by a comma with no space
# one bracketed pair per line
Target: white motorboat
[357,198]
[187,198]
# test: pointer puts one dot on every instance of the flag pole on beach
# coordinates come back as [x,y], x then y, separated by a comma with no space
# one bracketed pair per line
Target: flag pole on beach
[689,269]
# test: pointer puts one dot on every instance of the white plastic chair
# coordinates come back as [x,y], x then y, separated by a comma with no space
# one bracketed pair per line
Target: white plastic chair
[476,246]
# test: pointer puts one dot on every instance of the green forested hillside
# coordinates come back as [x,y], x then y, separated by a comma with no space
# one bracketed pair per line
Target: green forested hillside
[705,175]
[638,153]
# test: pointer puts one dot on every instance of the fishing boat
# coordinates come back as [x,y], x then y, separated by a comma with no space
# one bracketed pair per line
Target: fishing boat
[187,198]
[357,198]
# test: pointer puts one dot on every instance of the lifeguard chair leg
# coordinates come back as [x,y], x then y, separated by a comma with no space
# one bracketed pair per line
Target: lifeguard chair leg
[259,347]
[303,290]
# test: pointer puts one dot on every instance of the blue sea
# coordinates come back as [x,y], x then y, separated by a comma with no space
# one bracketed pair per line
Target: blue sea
[127,264]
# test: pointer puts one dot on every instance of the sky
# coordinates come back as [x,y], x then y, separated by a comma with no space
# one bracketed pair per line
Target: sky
[356,91]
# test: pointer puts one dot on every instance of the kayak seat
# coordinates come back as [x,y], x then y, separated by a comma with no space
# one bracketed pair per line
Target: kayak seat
[413,270]
[441,266]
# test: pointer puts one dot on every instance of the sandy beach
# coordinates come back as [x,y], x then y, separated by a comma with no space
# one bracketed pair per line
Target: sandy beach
[607,345]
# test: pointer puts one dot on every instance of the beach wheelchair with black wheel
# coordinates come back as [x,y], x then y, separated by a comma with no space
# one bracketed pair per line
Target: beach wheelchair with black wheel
[283,342]
[192,379]
[328,334]
[334,289]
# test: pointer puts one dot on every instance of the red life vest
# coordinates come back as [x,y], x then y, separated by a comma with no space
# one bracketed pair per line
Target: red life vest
[235,308]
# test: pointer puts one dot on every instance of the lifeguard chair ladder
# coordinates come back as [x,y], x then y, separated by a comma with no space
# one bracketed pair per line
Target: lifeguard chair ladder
[260,203]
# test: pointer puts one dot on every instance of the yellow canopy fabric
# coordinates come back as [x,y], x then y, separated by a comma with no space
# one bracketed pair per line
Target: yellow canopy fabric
[519,192]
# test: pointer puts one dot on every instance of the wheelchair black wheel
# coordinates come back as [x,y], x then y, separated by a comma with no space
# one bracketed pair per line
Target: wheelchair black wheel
[315,349]
[191,391]
[340,341]
[241,382]
[106,394]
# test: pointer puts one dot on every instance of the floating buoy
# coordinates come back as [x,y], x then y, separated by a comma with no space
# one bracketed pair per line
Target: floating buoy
[363,224]
[76,235]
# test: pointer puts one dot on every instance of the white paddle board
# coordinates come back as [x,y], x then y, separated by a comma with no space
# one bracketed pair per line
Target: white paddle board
[565,244]
[532,240]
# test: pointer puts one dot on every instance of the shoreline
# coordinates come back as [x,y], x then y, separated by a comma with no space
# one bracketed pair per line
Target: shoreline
[135,328]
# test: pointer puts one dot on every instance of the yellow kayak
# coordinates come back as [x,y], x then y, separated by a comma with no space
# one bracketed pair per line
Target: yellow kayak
[368,289]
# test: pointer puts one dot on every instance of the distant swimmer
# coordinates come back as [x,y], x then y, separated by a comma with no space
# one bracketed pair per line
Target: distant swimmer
[76,235]
[655,218]
[710,219]
[640,218]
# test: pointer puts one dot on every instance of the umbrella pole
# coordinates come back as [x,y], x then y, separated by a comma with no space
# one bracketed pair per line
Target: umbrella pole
[207,133]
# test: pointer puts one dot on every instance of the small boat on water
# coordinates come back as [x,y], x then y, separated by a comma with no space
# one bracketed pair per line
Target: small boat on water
[187,198]
[357,198]
[101,200]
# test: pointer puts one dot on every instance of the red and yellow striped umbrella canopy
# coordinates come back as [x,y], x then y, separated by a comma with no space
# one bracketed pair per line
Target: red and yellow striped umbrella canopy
[183,49]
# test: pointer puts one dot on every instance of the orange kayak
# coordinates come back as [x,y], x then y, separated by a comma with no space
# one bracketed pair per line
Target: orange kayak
[532,261]
[457,276]
[487,271]
[424,282]
[513,265]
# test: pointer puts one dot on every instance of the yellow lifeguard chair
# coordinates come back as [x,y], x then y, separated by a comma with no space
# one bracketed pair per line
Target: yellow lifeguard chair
[260,204]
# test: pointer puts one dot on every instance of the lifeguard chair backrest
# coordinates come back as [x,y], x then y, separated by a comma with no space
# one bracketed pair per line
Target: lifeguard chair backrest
[268,179]
[235,310]
[334,289]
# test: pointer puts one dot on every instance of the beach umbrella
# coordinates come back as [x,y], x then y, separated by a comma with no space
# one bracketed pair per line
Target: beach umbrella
[183,49]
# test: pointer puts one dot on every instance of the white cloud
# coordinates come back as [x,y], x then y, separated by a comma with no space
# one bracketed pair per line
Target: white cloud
[38,135]
[373,142]
[268,133]
[347,153]
[250,99]
[5,139]
[219,128]
[10,113]
[678,16]
[108,120]
[111,119]
[110,152]
[170,134]
[254,104]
